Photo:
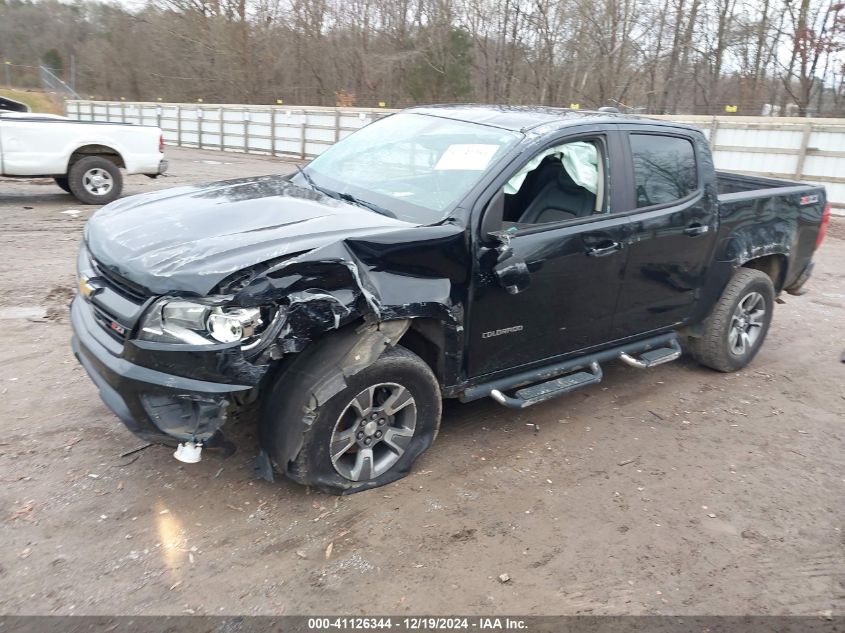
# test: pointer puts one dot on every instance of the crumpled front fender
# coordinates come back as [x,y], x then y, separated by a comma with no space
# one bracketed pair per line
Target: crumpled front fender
[421,274]
[313,378]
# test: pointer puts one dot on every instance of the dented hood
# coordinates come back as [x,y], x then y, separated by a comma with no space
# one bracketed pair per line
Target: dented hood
[191,238]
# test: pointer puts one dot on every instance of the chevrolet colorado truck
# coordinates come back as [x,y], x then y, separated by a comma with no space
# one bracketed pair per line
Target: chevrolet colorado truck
[83,157]
[442,252]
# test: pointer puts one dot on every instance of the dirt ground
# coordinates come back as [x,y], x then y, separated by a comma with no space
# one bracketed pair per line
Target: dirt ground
[677,490]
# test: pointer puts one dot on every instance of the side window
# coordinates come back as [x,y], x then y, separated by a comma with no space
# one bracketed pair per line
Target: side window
[664,168]
[560,183]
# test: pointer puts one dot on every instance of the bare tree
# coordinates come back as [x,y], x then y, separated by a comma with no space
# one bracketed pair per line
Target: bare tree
[649,55]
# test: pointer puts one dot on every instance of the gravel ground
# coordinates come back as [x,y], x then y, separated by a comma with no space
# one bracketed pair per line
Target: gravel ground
[672,491]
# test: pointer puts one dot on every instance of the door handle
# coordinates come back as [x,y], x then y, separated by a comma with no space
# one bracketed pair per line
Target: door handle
[603,251]
[694,230]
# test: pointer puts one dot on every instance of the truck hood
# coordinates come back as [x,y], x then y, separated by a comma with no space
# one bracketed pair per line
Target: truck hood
[191,238]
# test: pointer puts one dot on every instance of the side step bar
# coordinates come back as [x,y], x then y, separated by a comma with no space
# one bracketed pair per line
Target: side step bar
[543,391]
[544,383]
[655,357]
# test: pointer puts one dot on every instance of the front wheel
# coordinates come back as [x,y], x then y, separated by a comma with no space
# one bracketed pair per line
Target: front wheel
[736,328]
[370,433]
[95,180]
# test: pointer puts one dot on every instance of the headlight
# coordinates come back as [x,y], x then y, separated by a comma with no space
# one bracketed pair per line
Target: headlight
[204,322]
[234,325]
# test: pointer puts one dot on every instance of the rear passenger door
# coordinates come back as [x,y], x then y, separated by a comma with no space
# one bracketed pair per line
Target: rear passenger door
[673,217]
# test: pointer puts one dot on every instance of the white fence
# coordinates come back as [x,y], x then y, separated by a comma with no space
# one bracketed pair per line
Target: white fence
[811,150]
[298,132]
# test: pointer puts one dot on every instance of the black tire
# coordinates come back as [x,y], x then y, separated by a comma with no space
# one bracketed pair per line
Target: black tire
[314,466]
[63,183]
[717,348]
[81,185]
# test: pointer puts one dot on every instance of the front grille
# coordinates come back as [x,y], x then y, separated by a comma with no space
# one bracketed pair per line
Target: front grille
[107,308]
[110,325]
[128,289]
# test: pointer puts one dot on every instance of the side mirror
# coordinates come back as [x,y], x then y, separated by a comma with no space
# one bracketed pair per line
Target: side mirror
[513,275]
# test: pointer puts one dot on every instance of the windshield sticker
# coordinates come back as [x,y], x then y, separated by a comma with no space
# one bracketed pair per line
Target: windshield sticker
[467,157]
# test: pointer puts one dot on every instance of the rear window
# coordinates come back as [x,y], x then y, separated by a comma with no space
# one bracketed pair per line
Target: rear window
[664,168]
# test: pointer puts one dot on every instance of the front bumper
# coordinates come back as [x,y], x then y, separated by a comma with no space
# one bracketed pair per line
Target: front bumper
[158,406]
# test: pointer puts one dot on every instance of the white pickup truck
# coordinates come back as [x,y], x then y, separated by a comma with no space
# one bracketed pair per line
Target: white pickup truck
[83,157]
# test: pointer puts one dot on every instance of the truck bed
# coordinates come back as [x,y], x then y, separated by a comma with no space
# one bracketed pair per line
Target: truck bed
[729,183]
[771,215]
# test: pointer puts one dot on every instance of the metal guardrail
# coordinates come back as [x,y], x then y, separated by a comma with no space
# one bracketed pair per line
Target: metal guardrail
[811,150]
[296,132]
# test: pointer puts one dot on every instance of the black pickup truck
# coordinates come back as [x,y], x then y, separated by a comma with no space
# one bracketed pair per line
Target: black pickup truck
[441,252]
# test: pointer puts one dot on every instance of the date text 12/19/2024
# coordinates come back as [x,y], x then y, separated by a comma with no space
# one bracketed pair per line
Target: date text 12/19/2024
[415,623]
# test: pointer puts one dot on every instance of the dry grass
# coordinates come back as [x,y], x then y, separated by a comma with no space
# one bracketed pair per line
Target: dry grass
[38,101]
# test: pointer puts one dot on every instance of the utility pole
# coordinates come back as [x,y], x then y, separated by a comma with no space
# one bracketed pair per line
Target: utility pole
[8,67]
[73,72]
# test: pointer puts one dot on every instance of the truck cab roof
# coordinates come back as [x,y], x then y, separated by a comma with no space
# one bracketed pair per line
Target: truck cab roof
[519,118]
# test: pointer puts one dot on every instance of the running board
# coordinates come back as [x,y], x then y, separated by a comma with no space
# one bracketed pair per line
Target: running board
[543,391]
[654,357]
[547,382]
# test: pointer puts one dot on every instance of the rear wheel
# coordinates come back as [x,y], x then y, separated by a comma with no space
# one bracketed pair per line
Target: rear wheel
[63,183]
[95,180]
[736,328]
[370,433]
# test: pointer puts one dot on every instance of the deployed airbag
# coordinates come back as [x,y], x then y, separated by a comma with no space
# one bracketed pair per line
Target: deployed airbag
[579,159]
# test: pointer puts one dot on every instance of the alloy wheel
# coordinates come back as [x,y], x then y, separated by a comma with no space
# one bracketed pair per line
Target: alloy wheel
[373,431]
[746,323]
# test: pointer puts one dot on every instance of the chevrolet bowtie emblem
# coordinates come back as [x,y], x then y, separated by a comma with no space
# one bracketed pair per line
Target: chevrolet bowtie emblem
[86,289]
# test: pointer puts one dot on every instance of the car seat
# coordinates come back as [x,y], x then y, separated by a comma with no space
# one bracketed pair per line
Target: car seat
[554,196]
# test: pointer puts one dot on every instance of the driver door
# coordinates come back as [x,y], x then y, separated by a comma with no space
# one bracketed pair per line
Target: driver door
[549,288]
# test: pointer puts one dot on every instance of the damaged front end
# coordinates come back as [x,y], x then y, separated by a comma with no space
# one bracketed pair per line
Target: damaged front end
[175,368]
[166,382]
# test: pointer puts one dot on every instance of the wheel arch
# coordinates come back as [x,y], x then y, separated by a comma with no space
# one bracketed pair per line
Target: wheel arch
[425,337]
[774,265]
[95,149]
